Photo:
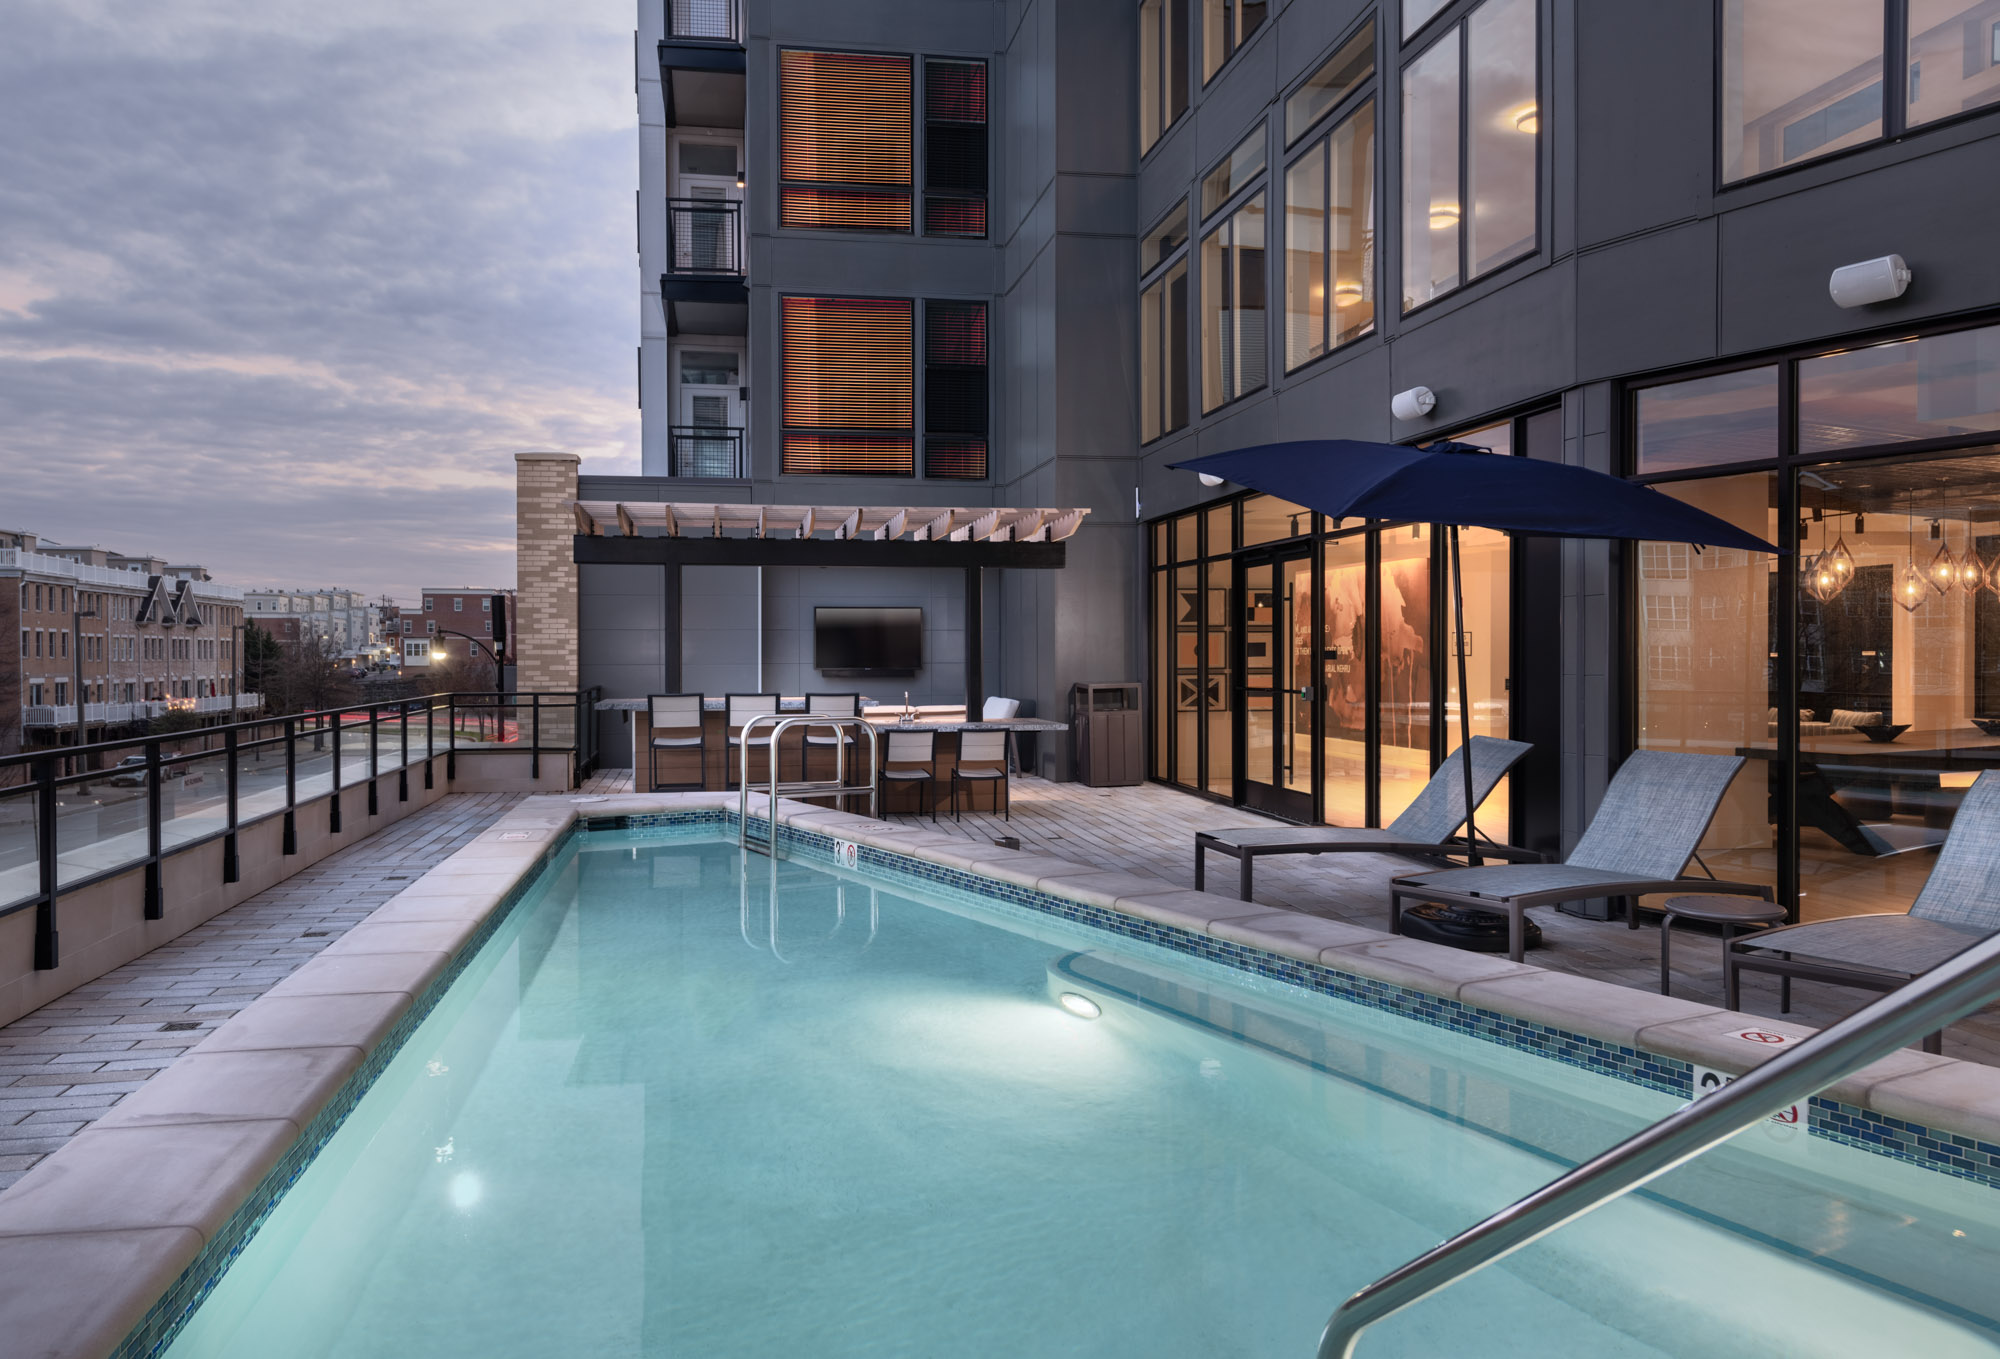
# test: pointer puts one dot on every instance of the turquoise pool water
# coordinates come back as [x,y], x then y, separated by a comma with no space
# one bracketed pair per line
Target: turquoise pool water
[691,1103]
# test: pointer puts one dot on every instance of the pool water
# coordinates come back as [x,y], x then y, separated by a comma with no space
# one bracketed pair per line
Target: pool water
[690,1102]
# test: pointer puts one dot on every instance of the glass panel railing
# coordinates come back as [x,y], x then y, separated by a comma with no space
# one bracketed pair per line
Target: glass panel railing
[260,776]
[20,868]
[194,798]
[100,823]
[312,749]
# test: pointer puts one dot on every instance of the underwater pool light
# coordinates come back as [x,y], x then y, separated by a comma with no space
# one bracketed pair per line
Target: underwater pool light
[1083,1007]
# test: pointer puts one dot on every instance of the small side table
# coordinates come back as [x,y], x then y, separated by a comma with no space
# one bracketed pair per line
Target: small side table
[1728,912]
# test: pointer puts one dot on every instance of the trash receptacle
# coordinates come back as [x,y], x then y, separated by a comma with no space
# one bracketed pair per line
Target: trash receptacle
[1107,734]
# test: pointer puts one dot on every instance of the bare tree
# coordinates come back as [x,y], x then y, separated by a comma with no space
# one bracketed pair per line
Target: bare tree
[313,676]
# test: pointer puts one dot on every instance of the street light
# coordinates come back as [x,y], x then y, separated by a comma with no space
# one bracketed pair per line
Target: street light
[499,662]
[76,617]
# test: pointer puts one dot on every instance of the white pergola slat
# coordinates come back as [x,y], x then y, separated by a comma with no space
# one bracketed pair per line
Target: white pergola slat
[883,523]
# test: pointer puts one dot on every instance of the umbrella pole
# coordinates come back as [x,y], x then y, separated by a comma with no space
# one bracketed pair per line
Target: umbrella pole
[1464,694]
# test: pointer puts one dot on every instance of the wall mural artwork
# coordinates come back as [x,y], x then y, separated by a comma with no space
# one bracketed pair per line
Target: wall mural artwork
[1406,654]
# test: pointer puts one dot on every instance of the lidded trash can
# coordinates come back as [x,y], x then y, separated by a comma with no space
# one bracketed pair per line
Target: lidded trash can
[1107,734]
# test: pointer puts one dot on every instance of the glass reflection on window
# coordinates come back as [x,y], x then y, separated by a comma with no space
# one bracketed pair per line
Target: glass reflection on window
[1800,79]
[1504,123]
[1954,57]
[1431,210]
[1927,388]
[1706,422]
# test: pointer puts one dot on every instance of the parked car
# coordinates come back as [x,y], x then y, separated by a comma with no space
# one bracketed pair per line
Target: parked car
[129,772]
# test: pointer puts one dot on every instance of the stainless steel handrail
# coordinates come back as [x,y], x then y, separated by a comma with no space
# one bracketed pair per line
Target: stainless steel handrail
[1946,993]
[837,789]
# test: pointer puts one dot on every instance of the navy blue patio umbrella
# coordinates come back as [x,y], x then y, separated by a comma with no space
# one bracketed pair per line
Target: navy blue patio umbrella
[1458,485]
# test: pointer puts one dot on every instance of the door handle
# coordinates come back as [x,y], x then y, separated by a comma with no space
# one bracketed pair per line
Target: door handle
[1305,691]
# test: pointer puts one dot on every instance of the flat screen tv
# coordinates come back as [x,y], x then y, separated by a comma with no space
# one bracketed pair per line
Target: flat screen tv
[868,641]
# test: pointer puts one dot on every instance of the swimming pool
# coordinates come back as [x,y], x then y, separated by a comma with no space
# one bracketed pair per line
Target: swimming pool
[689,1101]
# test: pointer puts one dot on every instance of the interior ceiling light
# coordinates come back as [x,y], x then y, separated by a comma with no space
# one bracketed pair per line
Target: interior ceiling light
[1346,294]
[1083,1007]
[1840,561]
[1444,215]
[1910,589]
[1528,120]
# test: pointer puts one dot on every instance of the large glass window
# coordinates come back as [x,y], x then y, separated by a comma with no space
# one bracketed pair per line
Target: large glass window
[845,143]
[1405,688]
[1933,387]
[1800,79]
[1486,66]
[1344,73]
[1706,682]
[1706,422]
[1954,57]
[1163,67]
[1232,307]
[1225,26]
[1236,171]
[850,386]
[955,148]
[1163,327]
[1344,665]
[1330,240]
[955,399]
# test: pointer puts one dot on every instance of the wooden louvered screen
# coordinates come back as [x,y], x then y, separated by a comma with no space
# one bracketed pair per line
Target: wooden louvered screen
[955,390]
[954,148]
[844,150]
[850,386]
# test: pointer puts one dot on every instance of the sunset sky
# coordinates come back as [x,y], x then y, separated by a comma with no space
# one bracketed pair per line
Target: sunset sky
[284,286]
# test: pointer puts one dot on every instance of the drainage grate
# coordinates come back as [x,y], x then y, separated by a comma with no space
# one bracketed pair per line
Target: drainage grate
[315,934]
[180,1026]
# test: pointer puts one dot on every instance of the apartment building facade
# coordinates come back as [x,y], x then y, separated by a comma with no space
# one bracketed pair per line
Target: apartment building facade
[1018,252]
[130,638]
[349,623]
[455,625]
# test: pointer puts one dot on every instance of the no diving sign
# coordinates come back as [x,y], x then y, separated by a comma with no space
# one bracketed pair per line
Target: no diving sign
[846,853]
[1707,1080]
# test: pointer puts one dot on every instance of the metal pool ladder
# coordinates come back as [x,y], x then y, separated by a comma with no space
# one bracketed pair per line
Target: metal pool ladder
[837,789]
[1946,993]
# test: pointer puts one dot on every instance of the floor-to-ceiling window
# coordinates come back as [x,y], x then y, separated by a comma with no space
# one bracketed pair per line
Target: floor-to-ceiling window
[1852,674]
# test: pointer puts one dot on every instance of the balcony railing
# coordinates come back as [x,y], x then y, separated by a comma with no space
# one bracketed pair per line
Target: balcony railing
[705,237]
[705,20]
[82,814]
[64,714]
[706,451]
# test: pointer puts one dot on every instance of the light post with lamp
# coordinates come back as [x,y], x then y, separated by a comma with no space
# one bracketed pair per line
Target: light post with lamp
[76,617]
[499,664]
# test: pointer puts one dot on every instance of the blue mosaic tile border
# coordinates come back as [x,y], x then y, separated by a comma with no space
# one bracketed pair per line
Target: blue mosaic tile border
[1948,1153]
[163,1321]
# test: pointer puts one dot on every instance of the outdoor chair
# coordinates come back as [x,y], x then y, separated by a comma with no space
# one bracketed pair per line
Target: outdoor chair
[1958,907]
[741,708]
[1004,710]
[676,725]
[829,738]
[910,757]
[982,758]
[1423,831]
[1649,825]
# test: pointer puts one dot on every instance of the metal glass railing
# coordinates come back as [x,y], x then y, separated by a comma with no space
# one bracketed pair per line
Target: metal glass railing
[72,815]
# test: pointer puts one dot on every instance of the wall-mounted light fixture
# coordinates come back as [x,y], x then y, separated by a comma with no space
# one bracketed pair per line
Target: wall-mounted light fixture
[1414,404]
[1877,280]
[1207,480]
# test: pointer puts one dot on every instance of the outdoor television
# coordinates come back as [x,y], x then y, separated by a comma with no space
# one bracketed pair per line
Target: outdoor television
[868,641]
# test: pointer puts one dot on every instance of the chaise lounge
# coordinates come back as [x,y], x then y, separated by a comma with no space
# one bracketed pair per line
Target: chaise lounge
[1649,825]
[1423,831]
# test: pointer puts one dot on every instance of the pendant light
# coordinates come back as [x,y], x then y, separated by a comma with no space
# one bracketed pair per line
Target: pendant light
[1911,587]
[1943,570]
[1840,561]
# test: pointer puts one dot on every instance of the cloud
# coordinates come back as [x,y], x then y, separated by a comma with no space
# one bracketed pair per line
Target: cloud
[283,286]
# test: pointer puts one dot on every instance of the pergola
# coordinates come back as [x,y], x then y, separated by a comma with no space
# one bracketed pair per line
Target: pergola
[677,534]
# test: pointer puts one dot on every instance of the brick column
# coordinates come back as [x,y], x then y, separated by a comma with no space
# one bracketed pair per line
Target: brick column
[545,606]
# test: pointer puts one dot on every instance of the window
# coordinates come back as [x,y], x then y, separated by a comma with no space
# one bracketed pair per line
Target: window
[1487,66]
[1232,306]
[1237,169]
[1800,79]
[486,604]
[1163,333]
[1225,26]
[850,386]
[1933,387]
[1705,422]
[1344,73]
[427,603]
[1330,240]
[955,148]
[955,390]
[458,604]
[1417,13]
[845,145]
[431,628]
[1163,67]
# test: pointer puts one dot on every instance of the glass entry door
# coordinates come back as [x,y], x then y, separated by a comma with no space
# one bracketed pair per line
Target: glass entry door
[1279,683]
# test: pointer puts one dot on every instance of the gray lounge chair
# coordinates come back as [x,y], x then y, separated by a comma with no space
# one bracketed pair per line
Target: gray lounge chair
[1959,906]
[1652,819]
[1424,829]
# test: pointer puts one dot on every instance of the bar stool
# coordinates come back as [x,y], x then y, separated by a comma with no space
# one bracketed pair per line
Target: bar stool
[986,751]
[676,725]
[910,748]
[740,709]
[828,738]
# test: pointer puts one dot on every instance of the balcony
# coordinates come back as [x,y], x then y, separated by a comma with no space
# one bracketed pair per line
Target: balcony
[710,451]
[704,238]
[705,21]
[95,714]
